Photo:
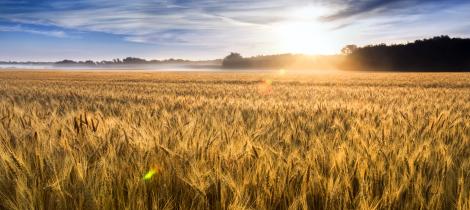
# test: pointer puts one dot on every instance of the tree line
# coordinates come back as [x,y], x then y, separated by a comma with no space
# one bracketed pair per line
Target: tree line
[440,53]
[128,60]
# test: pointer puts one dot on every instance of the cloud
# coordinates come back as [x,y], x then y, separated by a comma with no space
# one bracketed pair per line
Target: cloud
[206,24]
[349,9]
[19,28]
[161,21]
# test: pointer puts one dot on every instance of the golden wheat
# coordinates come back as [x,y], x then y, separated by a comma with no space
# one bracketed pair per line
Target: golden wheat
[245,140]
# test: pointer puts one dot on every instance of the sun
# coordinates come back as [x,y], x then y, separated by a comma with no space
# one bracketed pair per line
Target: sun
[305,34]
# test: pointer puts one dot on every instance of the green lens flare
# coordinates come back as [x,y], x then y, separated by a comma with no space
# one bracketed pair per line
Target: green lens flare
[150,174]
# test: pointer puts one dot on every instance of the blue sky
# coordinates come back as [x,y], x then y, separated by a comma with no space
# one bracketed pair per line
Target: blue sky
[52,30]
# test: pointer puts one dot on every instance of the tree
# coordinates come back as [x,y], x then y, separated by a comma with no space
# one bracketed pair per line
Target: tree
[233,56]
[348,49]
[234,60]
[133,60]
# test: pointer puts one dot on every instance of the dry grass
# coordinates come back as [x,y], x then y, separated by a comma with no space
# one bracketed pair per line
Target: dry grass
[234,141]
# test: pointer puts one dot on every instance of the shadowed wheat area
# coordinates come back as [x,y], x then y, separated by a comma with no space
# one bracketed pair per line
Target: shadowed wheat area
[234,140]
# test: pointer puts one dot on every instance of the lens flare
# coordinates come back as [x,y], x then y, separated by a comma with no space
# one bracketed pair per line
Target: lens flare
[265,87]
[268,82]
[282,72]
[150,173]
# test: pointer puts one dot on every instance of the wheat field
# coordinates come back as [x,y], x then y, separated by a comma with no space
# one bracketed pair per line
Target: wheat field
[234,140]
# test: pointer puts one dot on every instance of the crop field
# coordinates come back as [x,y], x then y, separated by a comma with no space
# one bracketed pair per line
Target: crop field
[234,140]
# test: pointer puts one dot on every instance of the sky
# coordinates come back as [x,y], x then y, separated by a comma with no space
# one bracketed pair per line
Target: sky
[52,30]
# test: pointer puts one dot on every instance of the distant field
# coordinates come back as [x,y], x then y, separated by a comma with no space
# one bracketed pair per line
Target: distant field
[272,140]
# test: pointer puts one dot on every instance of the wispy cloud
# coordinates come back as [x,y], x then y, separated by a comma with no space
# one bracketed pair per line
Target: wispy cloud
[19,28]
[350,9]
[152,21]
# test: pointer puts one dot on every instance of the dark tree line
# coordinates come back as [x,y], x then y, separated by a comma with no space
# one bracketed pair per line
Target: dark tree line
[236,61]
[440,53]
